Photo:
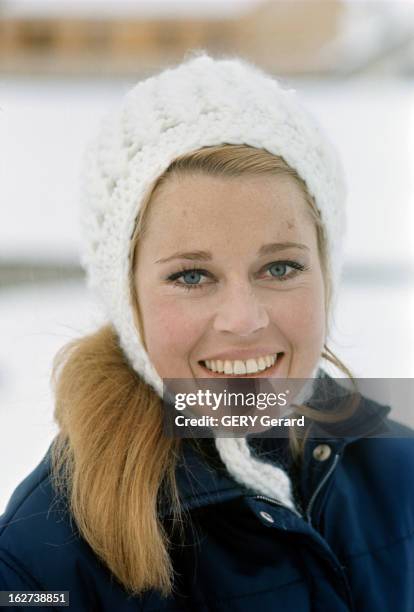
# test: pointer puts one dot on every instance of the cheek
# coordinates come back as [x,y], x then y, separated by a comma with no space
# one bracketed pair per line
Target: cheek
[302,318]
[169,327]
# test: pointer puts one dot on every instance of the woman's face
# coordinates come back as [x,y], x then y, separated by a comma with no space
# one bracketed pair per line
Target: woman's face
[228,278]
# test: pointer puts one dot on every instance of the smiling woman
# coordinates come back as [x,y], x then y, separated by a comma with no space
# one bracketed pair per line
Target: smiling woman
[213,222]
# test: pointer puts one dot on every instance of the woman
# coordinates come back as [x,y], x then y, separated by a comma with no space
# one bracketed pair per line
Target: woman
[213,222]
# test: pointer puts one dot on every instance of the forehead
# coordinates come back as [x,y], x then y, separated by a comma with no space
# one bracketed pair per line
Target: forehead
[198,205]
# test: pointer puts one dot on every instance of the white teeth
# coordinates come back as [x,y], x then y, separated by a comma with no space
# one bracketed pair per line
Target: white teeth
[228,367]
[239,367]
[250,366]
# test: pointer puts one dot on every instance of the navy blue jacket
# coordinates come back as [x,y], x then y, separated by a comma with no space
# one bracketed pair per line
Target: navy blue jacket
[351,550]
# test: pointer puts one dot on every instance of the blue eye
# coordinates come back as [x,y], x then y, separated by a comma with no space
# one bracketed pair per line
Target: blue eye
[278,269]
[191,277]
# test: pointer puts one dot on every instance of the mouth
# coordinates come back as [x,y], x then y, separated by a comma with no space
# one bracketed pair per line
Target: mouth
[265,372]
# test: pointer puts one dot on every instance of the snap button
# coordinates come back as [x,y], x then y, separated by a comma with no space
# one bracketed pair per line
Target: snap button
[322,452]
[267,516]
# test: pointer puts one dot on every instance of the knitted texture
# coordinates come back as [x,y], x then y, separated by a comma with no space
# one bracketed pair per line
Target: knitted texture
[256,474]
[201,102]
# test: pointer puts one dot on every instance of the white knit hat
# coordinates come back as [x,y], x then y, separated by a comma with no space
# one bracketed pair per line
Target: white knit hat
[199,103]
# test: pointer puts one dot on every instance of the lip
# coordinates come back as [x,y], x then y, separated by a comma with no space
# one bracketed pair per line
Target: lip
[267,373]
[243,354]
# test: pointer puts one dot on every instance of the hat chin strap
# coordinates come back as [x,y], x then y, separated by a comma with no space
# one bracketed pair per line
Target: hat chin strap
[265,478]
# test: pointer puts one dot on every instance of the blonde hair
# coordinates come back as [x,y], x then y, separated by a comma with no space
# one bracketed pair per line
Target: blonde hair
[110,458]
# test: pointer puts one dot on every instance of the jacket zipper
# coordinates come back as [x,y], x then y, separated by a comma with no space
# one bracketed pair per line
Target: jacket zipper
[318,488]
[312,499]
[308,511]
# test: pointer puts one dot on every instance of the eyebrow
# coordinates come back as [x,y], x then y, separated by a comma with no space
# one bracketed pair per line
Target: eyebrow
[266,249]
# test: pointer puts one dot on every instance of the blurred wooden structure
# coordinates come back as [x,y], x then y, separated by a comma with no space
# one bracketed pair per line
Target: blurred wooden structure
[287,36]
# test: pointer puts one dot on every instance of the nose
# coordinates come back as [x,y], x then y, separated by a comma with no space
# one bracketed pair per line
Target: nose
[240,311]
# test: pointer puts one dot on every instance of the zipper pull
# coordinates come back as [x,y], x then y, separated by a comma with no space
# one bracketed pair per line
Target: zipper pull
[278,503]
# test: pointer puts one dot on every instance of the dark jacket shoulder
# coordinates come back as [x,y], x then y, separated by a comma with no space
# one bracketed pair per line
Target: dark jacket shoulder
[40,548]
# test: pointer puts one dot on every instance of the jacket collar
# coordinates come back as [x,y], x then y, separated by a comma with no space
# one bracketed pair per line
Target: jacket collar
[202,478]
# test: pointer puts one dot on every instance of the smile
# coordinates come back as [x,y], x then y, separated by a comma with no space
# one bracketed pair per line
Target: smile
[238,367]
